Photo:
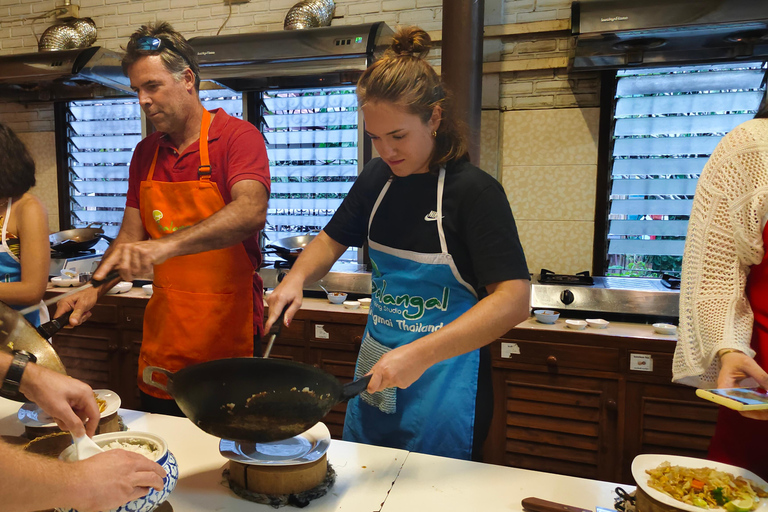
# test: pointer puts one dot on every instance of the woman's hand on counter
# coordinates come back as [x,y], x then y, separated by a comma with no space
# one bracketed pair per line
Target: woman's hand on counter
[737,366]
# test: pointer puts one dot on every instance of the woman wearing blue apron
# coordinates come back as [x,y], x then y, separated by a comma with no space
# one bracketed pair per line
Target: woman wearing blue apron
[448,272]
[24,248]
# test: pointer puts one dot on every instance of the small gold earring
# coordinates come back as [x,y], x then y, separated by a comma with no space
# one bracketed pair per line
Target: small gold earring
[434,134]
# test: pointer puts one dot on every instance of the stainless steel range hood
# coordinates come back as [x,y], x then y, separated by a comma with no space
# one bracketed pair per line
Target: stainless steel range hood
[60,75]
[621,33]
[321,56]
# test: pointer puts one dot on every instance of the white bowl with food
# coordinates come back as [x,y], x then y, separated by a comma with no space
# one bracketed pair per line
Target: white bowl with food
[665,328]
[578,325]
[65,282]
[546,316]
[337,297]
[365,302]
[598,323]
[151,446]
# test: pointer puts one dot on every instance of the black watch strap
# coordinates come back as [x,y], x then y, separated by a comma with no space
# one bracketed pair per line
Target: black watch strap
[12,381]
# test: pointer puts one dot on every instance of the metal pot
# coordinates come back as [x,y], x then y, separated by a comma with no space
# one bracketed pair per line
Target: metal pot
[76,240]
[290,248]
[254,399]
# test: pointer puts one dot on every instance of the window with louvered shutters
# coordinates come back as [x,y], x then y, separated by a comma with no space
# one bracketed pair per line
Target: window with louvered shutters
[312,143]
[667,122]
[101,137]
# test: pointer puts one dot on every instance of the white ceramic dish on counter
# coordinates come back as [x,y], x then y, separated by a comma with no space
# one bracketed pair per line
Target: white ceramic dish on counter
[665,328]
[148,290]
[365,302]
[33,416]
[649,461]
[351,304]
[597,323]
[306,447]
[64,282]
[579,325]
[546,316]
[121,287]
[337,297]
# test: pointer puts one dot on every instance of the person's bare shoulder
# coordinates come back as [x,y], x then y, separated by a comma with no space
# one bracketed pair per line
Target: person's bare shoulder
[30,203]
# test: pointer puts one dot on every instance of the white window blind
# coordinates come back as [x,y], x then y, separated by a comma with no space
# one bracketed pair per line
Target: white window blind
[312,143]
[667,122]
[101,137]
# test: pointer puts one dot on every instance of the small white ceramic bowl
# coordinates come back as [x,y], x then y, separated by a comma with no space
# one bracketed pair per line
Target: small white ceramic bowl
[64,282]
[148,290]
[665,328]
[121,287]
[351,304]
[546,316]
[579,325]
[597,323]
[365,302]
[337,297]
[166,459]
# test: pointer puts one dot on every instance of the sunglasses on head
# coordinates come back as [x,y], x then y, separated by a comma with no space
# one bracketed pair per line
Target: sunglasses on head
[156,44]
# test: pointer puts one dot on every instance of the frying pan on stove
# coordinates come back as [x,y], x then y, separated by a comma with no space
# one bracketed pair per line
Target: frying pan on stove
[254,399]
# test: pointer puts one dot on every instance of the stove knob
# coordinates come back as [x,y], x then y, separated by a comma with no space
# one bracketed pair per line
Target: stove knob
[566,297]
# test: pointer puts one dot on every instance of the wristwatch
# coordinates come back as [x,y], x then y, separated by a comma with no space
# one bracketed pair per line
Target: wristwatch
[12,381]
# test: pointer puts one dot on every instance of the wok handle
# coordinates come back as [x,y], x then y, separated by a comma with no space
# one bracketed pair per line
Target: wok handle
[354,388]
[112,275]
[274,332]
[148,377]
[48,329]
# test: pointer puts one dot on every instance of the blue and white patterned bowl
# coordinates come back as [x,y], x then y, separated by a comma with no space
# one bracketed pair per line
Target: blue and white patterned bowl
[166,459]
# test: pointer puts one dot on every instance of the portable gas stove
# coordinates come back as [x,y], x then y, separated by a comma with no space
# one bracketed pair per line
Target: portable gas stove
[612,298]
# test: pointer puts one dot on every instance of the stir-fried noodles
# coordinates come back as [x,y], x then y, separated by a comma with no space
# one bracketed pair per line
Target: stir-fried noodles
[706,487]
[101,403]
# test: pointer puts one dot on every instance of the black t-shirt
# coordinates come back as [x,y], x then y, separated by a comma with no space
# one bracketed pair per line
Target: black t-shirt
[480,230]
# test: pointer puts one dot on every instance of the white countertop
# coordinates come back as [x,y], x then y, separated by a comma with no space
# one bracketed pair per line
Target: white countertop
[369,478]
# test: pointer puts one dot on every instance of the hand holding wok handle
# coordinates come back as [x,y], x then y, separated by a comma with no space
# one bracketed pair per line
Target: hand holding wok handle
[539,505]
[274,332]
[354,388]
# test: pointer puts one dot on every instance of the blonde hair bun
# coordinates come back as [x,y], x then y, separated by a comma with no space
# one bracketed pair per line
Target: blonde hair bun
[411,42]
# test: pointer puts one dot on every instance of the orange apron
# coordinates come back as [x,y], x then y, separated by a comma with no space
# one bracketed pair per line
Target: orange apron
[202,305]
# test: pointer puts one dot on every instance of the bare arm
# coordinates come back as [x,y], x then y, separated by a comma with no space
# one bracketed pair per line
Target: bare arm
[102,482]
[32,229]
[313,263]
[504,307]
[131,230]
[240,219]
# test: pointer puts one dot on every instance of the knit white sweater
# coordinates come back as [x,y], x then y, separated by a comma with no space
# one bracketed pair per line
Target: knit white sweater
[724,240]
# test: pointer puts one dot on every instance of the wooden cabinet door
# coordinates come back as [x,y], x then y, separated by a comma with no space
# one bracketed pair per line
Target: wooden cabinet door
[90,353]
[665,418]
[129,369]
[554,423]
[337,355]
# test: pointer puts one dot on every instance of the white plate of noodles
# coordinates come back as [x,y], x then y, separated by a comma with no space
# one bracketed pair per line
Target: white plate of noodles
[675,481]
[32,415]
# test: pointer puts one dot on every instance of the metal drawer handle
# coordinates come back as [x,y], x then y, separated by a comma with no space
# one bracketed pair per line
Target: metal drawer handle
[552,361]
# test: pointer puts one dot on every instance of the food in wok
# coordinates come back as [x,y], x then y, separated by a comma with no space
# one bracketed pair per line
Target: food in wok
[706,488]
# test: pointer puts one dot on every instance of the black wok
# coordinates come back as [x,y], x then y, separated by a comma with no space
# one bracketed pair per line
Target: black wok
[76,240]
[254,399]
[290,248]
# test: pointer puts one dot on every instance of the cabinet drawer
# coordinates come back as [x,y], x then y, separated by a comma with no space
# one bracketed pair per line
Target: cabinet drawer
[132,318]
[326,332]
[105,314]
[554,355]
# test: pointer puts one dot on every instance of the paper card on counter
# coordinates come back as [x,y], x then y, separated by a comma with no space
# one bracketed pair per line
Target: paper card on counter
[641,362]
[321,333]
[509,349]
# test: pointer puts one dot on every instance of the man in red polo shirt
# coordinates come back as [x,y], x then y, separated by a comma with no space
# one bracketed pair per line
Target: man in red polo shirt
[197,198]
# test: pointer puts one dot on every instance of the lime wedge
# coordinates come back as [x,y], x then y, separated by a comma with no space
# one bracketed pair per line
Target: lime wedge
[744,505]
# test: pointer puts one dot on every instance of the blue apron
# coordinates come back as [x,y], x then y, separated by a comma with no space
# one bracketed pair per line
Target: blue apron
[10,268]
[414,294]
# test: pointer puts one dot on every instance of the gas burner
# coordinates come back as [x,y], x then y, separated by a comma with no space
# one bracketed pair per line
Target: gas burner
[282,264]
[670,281]
[580,278]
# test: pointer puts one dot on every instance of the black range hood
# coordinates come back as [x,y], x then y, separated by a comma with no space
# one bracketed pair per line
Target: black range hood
[615,34]
[324,56]
[60,75]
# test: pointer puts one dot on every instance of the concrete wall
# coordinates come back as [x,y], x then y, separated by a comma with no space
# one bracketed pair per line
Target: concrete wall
[539,126]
